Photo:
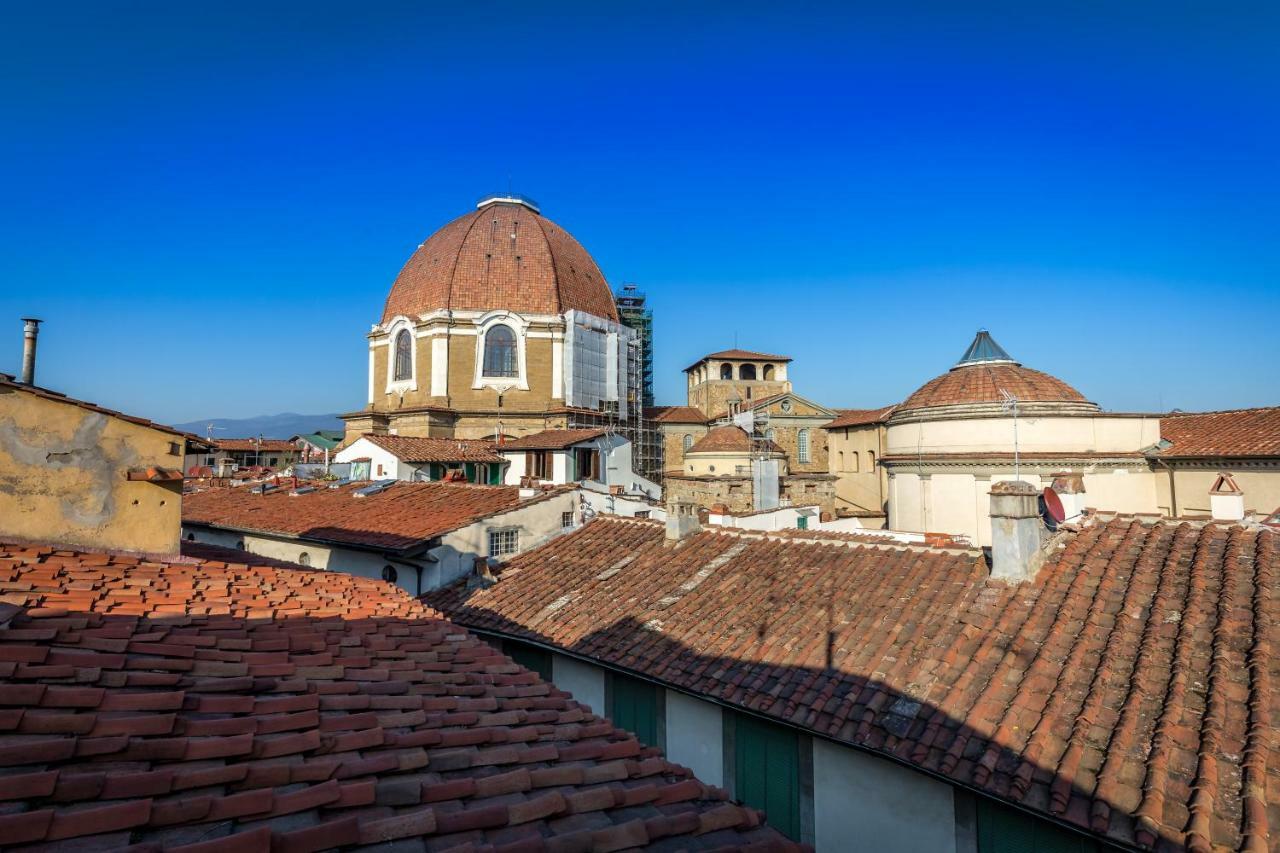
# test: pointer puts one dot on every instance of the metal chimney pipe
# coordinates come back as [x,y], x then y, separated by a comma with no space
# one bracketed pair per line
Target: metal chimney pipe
[30,331]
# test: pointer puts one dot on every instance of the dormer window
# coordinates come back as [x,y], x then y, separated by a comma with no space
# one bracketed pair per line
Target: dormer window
[404,356]
[500,352]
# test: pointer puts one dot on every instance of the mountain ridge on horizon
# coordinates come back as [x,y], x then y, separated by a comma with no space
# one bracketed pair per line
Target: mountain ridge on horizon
[282,425]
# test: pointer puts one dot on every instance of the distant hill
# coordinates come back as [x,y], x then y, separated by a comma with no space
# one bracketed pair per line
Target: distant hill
[268,426]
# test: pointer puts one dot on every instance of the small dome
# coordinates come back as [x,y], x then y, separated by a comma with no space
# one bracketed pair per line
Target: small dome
[729,439]
[985,374]
[502,256]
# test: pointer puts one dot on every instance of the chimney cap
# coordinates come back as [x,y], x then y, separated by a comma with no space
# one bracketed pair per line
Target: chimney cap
[1013,487]
[1225,485]
[32,320]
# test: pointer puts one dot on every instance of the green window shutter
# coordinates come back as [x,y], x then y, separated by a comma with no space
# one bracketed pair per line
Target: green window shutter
[1002,829]
[802,523]
[767,771]
[495,474]
[470,469]
[633,706]
[530,657]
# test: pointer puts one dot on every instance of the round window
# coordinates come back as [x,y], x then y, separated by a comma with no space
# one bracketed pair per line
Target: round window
[389,574]
[785,406]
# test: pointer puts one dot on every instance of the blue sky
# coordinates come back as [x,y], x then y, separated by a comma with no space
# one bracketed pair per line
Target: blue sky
[208,204]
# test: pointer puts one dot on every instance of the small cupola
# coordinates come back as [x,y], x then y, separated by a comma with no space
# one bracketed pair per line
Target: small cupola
[984,350]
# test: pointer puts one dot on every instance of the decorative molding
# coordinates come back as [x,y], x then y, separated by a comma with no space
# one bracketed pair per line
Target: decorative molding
[517,324]
[402,386]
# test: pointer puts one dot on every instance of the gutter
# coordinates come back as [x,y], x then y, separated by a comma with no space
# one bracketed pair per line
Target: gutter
[419,550]
[1109,842]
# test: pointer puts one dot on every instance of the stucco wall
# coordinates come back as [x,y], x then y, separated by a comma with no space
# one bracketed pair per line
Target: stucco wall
[1087,434]
[853,454]
[583,680]
[64,477]
[864,802]
[537,522]
[1261,488]
[695,736]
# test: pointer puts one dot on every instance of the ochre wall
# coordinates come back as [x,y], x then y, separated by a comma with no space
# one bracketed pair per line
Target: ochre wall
[63,478]
[861,486]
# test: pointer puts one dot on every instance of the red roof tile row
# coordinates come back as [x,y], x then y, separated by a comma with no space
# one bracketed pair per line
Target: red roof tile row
[416,449]
[983,383]
[1130,689]
[728,439]
[861,417]
[208,707]
[676,415]
[740,355]
[552,439]
[401,517]
[1243,432]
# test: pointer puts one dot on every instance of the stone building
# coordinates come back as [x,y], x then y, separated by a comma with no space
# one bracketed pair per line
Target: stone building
[732,383]
[500,324]
[856,442]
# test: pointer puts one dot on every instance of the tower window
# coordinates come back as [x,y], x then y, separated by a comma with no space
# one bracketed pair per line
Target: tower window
[802,445]
[747,371]
[404,356]
[688,442]
[768,373]
[500,352]
[726,371]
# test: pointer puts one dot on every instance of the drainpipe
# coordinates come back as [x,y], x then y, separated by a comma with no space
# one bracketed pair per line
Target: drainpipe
[1173,490]
[30,331]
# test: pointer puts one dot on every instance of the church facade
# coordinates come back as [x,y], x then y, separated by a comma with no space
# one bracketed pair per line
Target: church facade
[500,324]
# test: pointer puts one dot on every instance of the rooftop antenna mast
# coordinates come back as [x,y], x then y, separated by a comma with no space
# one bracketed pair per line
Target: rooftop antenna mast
[1009,403]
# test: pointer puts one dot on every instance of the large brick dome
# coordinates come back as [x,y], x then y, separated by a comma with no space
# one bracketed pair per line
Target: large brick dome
[983,375]
[503,255]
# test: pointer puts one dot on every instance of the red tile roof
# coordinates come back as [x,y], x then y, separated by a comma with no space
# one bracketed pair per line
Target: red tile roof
[415,449]
[676,415]
[209,706]
[402,517]
[501,256]
[1131,689]
[552,439]
[7,385]
[1242,432]
[728,439]
[861,417]
[740,355]
[982,383]
[254,445]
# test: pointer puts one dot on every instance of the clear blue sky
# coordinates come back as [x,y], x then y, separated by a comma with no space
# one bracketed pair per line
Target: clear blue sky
[208,202]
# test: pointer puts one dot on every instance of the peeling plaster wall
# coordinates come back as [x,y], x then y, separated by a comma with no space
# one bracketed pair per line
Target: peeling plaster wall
[64,478]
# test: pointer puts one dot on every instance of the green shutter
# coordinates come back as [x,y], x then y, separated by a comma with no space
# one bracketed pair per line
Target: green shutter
[1002,829]
[633,706]
[767,771]
[495,474]
[531,658]
[470,469]
[802,523]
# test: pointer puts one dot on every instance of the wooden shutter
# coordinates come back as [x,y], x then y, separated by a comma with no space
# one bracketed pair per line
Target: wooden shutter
[767,771]
[1002,829]
[634,706]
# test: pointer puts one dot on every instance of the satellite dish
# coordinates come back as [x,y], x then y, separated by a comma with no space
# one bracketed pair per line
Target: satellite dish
[1053,505]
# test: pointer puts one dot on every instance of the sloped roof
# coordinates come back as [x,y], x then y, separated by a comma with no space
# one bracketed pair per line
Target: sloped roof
[740,355]
[552,439]
[402,517]
[1240,432]
[415,449]
[983,383]
[210,706]
[1130,689]
[253,445]
[861,417]
[676,415]
[7,385]
[504,255]
[727,439]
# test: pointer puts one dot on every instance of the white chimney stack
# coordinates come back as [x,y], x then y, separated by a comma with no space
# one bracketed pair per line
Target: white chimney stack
[682,519]
[1226,500]
[1069,488]
[1016,531]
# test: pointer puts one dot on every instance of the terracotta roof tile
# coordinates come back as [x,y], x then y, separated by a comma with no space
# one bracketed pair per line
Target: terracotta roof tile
[728,439]
[415,449]
[216,760]
[403,516]
[551,439]
[982,383]
[501,256]
[861,417]
[676,415]
[1130,689]
[740,355]
[1242,432]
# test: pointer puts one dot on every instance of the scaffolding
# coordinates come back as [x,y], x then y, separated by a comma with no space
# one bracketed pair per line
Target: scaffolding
[646,446]
[604,379]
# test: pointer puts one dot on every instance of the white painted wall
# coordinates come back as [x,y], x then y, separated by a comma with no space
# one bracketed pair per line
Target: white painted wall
[783,518]
[381,460]
[607,504]
[695,736]
[537,521]
[884,807]
[583,680]
[615,465]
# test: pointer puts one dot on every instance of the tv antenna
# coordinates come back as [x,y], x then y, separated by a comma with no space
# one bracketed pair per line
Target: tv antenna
[208,430]
[1009,403]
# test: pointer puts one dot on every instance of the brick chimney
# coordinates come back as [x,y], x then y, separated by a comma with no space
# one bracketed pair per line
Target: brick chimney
[1226,500]
[682,519]
[1070,490]
[1016,531]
